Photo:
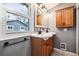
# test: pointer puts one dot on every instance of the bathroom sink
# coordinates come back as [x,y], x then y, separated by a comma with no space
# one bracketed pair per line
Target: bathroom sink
[43,35]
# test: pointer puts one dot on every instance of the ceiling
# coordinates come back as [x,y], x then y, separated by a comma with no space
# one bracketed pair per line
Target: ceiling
[50,5]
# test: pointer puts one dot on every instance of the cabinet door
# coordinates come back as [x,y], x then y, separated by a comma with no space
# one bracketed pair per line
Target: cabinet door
[44,50]
[48,50]
[51,45]
[59,18]
[68,12]
[36,46]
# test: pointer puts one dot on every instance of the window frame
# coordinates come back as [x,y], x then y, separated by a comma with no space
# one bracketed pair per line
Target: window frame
[18,14]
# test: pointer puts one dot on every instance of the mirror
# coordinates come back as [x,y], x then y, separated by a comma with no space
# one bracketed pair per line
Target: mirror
[40,21]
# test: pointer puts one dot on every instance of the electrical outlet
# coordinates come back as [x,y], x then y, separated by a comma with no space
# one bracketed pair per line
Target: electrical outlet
[63,46]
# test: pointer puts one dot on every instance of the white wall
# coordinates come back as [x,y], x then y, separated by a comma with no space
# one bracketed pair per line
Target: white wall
[49,21]
[1,20]
[3,34]
[52,22]
[44,20]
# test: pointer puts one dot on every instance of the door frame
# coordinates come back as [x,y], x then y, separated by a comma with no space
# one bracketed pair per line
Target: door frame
[77,38]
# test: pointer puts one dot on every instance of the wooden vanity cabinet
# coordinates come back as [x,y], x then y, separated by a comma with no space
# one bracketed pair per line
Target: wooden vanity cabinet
[65,17]
[41,47]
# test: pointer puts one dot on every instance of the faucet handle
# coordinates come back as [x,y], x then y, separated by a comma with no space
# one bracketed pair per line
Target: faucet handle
[47,30]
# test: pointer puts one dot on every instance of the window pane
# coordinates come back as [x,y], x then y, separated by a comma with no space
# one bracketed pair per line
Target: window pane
[18,7]
[16,22]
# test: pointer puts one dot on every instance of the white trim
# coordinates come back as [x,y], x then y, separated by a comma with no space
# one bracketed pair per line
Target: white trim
[77,38]
[64,53]
[18,15]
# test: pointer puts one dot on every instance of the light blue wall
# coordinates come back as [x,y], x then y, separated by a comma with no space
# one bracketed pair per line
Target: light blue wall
[69,36]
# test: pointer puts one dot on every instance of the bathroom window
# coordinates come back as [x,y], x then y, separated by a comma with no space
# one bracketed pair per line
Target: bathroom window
[17,15]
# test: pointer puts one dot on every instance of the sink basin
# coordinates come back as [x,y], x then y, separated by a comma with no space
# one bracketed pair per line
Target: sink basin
[44,35]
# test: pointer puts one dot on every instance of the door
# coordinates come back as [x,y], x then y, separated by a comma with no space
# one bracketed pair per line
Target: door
[44,50]
[47,50]
[59,18]
[50,45]
[36,46]
[68,12]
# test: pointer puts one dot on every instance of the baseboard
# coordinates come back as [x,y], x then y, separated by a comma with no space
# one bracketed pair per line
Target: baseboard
[65,52]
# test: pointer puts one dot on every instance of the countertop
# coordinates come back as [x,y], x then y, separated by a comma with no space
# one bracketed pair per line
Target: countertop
[44,35]
[35,34]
